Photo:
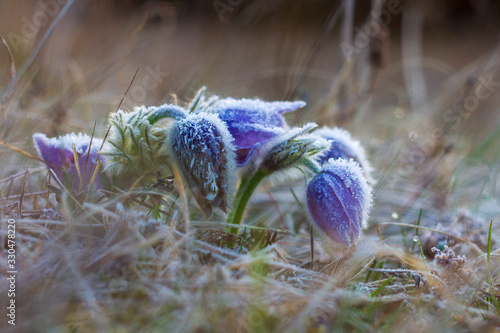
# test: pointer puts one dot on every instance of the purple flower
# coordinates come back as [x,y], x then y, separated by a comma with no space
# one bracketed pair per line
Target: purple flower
[58,153]
[342,145]
[339,200]
[252,122]
[200,145]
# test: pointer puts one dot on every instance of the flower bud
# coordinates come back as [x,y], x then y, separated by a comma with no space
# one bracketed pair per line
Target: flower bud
[58,153]
[339,200]
[288,148]
[200,145]
[133,146]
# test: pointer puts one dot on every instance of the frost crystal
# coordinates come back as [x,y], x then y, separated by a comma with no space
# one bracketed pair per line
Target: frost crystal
[251,122]
[342,145]
[339,200]
[202,149]
[58,152]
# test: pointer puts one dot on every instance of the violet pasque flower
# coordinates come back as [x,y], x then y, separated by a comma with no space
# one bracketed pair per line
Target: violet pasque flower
[342,145]
[58,153]
[252,122]
[339,200]
[201,147]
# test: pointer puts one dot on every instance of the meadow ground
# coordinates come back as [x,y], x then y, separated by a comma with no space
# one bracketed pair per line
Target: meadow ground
[415,81]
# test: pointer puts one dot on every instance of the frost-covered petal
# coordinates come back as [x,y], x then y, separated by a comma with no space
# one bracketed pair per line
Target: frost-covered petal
[89,170]
[243,156]
[58,152]
[342,145]
[252,122]
[202,149]
[50,152]
[339,200]
[255,111]
[248,138]
[247,135]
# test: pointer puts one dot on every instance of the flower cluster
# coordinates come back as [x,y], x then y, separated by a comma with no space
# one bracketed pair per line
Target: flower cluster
[212,142]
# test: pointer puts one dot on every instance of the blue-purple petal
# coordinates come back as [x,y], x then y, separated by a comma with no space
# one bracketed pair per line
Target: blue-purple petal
[253,122]
[58,153]
[255,111]
[248,135]
[51,153]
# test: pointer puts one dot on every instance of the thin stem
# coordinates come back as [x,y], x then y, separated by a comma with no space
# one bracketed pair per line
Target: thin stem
[185,212]
[237,198]
[245,191]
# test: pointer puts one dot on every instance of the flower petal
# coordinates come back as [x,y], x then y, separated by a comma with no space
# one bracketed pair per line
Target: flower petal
[252,122]
[255,111]
[58,152]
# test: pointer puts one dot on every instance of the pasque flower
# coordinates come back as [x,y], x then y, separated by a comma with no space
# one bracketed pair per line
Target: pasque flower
[342,145]
[58,153]
[201,147]
[198,143]
[339,200]
[252,122]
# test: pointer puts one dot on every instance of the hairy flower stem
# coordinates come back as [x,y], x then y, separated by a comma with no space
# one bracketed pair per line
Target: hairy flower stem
[245,191]
[237,198]
[166,111]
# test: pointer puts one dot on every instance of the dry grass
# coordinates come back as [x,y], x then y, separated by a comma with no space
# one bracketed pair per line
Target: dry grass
[101,262]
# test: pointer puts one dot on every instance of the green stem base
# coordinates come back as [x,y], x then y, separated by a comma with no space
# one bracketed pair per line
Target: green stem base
[245,191]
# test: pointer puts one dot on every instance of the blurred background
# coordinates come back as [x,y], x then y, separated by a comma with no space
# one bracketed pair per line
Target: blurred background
[288,49]
[415,81]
